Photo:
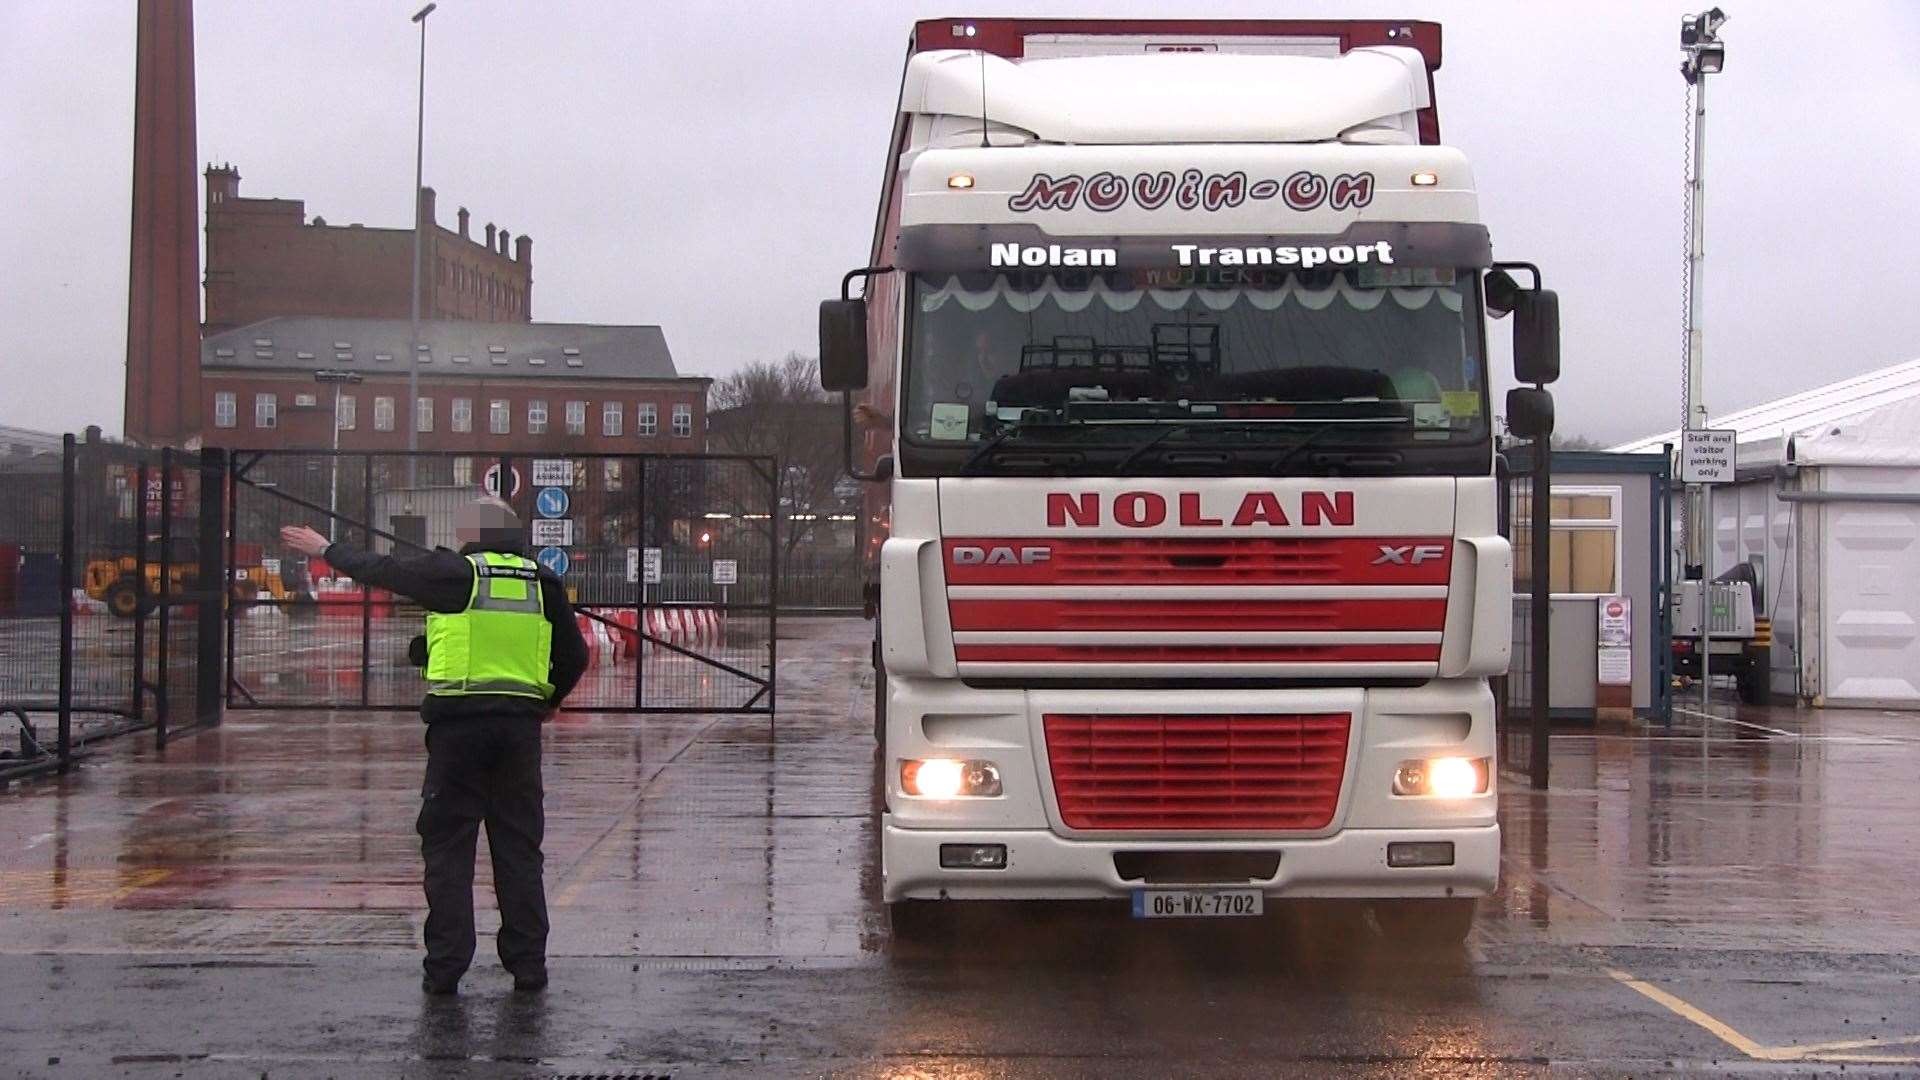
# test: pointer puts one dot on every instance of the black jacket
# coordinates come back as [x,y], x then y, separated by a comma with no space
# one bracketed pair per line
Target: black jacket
[442,580]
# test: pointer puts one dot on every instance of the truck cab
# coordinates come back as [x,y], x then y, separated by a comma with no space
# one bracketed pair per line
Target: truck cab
[1172,353]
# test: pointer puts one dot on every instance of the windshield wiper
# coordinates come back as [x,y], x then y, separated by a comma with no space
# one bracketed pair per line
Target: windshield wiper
[1138,452]
[985,449]
[1312,436]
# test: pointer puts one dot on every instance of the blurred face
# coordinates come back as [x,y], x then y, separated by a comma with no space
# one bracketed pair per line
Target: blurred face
[484,520]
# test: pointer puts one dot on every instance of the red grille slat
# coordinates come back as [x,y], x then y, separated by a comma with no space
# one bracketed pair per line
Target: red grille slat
[1191,560]
[1198,614]
[1197,772]
[1194,654]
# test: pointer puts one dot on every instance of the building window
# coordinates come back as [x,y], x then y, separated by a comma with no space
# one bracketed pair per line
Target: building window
[463,471]
[682,421]
[1585,552]
[462,414]
[610,474]
[536,418]
[347,409]
[266,410]
[423,414]
[499,419]
[610,417]
[576,418]
[646,419]
[383,414]
[224,409]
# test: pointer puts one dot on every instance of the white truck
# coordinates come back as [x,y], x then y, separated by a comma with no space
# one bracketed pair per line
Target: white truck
[1172,368]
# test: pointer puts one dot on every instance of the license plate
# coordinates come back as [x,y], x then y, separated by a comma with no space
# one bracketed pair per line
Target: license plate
[1197,903]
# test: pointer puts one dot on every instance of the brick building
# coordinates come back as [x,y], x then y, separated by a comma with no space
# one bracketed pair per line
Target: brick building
[266,259]
[496,387]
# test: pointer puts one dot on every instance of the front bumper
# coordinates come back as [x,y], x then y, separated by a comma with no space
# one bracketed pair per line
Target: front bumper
[1350,864]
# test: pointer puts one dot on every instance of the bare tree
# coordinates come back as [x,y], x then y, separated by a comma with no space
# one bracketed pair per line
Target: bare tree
[777,409]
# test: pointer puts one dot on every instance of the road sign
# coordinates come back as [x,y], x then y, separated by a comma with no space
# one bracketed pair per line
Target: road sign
[552,502]
[1708,456]
[554,559]
[552,472]
[490,481]
[726,572]
[552,532]
[653,566]
[1616,620]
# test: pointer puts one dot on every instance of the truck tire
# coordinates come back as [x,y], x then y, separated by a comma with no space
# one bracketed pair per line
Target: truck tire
[921,922]
[879,700]
[124,600]
[1752,680]
[1425,925]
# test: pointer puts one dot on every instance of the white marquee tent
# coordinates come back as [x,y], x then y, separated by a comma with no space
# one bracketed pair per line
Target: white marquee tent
[1827,507]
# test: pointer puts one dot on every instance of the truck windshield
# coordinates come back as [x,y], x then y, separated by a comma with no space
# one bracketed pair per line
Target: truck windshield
[1088,358]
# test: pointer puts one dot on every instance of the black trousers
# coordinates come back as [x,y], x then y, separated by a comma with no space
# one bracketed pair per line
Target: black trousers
[483,769]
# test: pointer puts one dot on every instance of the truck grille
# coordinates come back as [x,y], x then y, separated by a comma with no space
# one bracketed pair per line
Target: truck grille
[1186,771]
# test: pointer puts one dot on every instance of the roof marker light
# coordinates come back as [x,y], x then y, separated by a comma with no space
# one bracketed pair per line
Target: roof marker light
[960,180]
[1425,179]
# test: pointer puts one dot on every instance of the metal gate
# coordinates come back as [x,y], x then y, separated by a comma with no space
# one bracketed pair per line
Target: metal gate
[669,559]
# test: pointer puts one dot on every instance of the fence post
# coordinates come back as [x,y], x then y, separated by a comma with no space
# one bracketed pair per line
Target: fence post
[67,466]
[1542,602]
[216,589]
[366,590]
[140,575]
[163,709]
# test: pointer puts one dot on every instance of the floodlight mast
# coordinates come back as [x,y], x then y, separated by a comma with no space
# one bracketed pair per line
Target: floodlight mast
[1704,55]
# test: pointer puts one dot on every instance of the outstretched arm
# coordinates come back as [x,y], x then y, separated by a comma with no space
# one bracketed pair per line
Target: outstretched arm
[436,580]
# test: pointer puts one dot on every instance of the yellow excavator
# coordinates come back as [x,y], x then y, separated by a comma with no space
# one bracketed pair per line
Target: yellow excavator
[117,582]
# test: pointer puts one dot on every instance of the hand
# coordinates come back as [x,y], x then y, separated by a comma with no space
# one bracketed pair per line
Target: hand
[870,418]
[303,540]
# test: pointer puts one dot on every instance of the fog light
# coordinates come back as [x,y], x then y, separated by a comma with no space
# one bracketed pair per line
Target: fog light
[973,856]
[1414,853]
[945,778]
[960,181]
[1425,179]
[1442,778]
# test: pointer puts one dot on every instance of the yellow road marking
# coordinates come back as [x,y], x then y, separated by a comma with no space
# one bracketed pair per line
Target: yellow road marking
[86,886]
[1830,1053]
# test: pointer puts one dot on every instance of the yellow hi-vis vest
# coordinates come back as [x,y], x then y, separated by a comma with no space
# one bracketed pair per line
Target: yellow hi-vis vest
[502,643]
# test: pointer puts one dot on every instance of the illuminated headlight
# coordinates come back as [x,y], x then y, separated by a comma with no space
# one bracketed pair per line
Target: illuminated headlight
[945,778]
[1425,179]
[960,181]
[1442,778]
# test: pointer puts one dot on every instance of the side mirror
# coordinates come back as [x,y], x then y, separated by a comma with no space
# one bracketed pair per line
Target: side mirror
[1536,337]
[1530,413]
[843,345]
[1501,292]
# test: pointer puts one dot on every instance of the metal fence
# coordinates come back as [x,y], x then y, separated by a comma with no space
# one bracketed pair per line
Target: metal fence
[669,559]
[102,620]
[1520,696]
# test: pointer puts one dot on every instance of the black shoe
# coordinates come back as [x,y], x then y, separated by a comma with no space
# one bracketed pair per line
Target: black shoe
[530,984]
[439,987]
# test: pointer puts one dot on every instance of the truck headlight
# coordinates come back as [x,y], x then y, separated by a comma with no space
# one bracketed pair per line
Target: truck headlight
[1442,778]
[946,778]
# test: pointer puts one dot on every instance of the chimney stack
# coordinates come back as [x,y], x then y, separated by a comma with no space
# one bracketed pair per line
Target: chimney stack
[489,236]
[463,223]
[506,241]
[523,249]
[426,207]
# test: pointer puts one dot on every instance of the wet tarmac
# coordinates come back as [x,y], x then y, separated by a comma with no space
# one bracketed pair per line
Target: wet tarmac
[1723,899]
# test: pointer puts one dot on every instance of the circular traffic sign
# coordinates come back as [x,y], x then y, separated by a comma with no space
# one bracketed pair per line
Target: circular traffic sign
[552,502]
[554,559]
[490,482]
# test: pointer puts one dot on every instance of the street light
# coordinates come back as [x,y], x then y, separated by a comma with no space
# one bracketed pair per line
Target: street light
[337,378]
[1703,55]
[413,337]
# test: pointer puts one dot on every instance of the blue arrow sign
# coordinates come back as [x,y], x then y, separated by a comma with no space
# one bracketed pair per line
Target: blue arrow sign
[554,559]
[552,502]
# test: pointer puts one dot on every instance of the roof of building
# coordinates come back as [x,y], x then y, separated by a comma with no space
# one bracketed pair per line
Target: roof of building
[20,444]
[489,350]
[1871,419]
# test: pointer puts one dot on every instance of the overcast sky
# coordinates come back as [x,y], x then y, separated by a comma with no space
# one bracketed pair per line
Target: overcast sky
[714,171]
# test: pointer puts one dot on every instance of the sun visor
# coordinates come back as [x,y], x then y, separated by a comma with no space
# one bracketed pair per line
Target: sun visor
[954,247]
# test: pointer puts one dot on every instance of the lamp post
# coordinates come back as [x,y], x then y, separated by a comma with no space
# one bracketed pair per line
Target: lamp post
[1704,55]
[337,378]
[413,336]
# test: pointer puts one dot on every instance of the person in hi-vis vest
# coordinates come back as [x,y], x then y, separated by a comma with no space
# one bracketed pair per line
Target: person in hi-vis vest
[503,651]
